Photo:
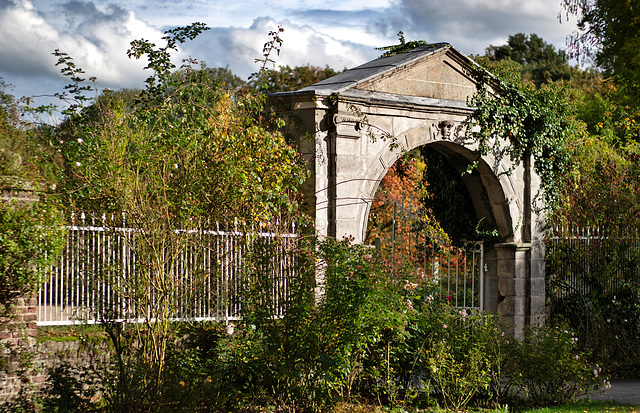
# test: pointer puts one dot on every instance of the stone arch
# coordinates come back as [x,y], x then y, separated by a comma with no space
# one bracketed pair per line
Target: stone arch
[497,187]
[352,127]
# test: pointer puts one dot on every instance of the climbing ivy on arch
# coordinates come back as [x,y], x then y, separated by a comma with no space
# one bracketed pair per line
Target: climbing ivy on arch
[518,122]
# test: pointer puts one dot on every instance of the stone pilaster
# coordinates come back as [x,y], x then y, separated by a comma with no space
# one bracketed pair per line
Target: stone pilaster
[514,305]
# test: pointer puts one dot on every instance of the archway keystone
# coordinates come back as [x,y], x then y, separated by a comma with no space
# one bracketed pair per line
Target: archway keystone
[352,127]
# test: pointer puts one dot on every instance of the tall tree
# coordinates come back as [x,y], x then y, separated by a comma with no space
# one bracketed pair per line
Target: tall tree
[609,31]
[539,61]
[189,152]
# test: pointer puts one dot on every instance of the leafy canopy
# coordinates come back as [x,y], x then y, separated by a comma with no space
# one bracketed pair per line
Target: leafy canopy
[192,148]
[286,79]
[538,61]
[609,32]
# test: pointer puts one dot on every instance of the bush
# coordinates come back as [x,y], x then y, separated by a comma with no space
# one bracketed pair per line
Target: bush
[550,369]
[321,352]
[374,338]
[31,236]
[454,355]
[370,338]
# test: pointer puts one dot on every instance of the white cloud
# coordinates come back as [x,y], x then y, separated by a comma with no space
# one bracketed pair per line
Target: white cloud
[338,33]
[240,47]
[97,40]
[25,37]
[472,25]
[303,44]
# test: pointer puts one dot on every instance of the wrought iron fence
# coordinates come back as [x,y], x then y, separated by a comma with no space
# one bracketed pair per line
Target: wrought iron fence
[579,259]
[458,270]
[92,280]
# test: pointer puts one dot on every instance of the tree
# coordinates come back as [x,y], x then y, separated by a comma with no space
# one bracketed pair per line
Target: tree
[506,69]
[603,190]
[191,152]
[609,117]
[539,61]
[289,79]
[402,184]
[609,31]
[527,49]
[219,77]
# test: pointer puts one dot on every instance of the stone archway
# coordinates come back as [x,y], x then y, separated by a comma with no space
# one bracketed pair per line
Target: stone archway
[352,127]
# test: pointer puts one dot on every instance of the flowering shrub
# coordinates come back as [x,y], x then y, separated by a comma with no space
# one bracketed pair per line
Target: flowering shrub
[550,369]
[461,356]
[452,354]
[458,359]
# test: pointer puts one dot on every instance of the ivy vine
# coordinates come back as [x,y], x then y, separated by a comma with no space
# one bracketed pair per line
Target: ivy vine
[516,122]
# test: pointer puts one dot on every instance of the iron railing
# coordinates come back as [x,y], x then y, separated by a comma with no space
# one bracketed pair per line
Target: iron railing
[579,259]
[458,270]
[92,280]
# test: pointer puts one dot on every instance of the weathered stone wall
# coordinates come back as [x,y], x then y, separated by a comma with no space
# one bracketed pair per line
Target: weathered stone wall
[17,337]
[27,363]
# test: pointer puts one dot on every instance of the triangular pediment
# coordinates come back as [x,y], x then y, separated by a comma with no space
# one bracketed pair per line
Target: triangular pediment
[433,72]
[442,75]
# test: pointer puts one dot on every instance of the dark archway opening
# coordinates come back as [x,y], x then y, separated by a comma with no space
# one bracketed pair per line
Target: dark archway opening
[456,196]
[435,181]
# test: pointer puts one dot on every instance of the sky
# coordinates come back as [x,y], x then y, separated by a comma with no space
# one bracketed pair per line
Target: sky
[338,33]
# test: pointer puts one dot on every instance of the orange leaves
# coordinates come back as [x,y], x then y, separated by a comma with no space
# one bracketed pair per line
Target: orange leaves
[404,184]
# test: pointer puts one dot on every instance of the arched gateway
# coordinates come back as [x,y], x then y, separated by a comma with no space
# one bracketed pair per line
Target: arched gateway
[418,98]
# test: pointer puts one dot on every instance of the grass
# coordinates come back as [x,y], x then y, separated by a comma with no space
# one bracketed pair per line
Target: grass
[69,333]
[585,406]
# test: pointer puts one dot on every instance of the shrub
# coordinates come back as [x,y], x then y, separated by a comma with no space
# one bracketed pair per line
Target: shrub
[31,237]
[550,369]
[457,353]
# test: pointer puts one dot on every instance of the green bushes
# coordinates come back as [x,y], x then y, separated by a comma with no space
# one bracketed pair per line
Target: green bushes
[550,369]
[30,236]
[370,339]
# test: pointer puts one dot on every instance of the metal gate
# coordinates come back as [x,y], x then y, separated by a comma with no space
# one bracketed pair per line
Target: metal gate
[458,270]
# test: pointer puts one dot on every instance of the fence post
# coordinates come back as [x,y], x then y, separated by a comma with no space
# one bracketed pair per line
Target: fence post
[393,241]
